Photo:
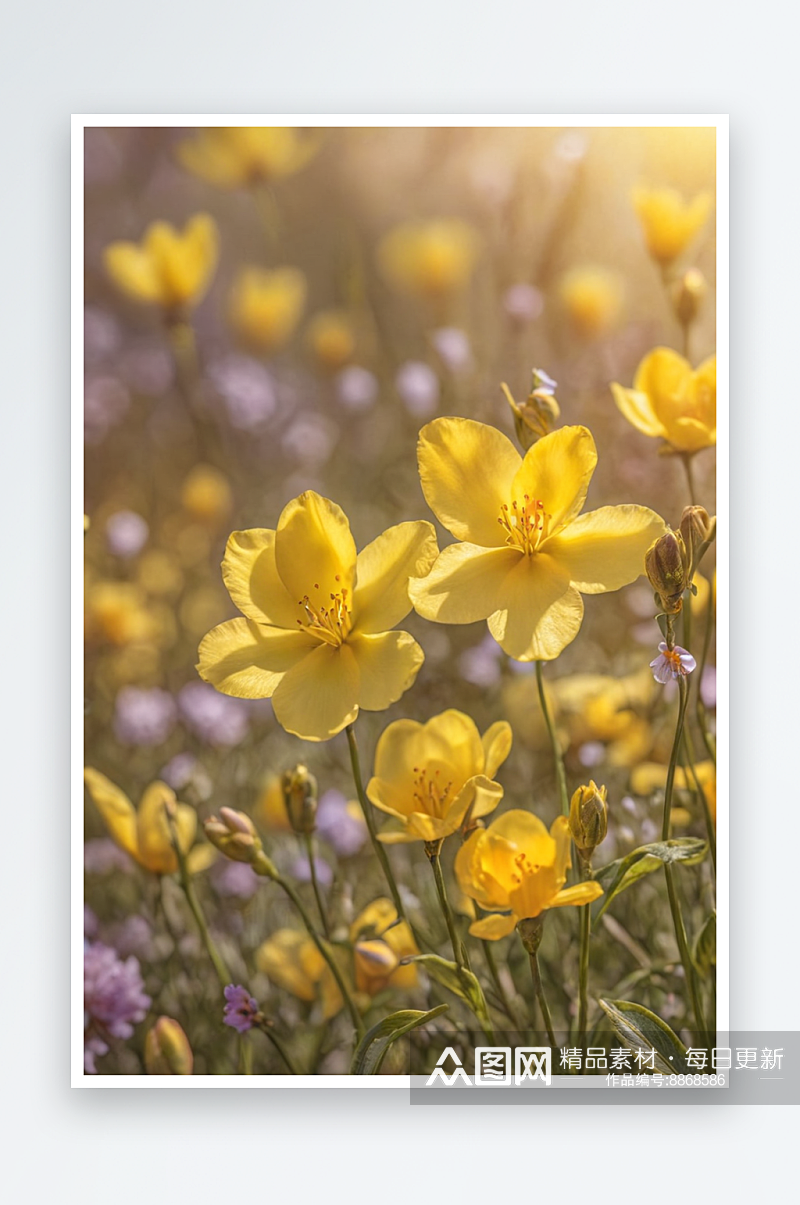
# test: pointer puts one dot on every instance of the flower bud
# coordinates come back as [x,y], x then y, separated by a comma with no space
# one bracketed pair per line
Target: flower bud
[697,531]
[300,797]
[167,1050]
[234,835]
[667,569]
[588,817]
[538,414]
[688,296]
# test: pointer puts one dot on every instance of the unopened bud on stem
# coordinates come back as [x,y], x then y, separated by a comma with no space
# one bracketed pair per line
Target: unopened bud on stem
[667,569]
[300,797]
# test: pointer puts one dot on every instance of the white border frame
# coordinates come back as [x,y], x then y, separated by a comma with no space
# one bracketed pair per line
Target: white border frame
[389,120]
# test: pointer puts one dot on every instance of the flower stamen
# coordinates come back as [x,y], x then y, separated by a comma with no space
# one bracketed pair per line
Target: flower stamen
[330,625]
[527,526]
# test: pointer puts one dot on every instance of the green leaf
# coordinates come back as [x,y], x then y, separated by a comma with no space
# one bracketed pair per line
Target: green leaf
[458,980]
[704,954]
[642,861]
[640,1029]
[371,1050]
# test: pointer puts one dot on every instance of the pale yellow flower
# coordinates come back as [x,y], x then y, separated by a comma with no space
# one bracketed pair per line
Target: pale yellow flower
[671,401]
[315,637]
[265,306]
[516,867]
[168,268]
[527,554]
[145,833]
[429,258]
[331,335]
[429,777]
[669,223]
[592,298]
[232,156]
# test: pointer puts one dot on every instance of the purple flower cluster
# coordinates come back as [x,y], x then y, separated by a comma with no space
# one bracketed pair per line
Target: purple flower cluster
[343,829]
[143,717]
[114,999]
[240,1010]
[215,718]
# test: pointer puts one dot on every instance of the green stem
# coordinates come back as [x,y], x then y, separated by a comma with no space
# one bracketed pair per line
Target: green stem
[540,996]
[674,902]
[279,1046]
[561,775]
[245,1055]
[222,972]
[498,983]
[326,954]
[708,739]
[712,837]
[370,821]
[686,457]
[583,976]
[432,850]
[315,882]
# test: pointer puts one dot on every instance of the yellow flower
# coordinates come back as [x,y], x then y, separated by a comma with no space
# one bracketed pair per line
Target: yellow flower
[167,268]
[592,298]
[669,222]
[516,866]
[265,307]
[117,612]
[528,553]
[206,494]
[315,637]
[670,400]
[230,156]
[293,962]
[379,945]
[145,834]
[429,776]
[429,258]
[332,338]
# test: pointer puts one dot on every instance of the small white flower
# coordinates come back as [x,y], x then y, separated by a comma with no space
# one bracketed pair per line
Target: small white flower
[672,663]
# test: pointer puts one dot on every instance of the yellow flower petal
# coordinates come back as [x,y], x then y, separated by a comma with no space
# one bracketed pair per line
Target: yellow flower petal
[636,407]
[318,696]
[247,660]
[556,471]
[133,270]
[492,928]
[314,550]
[496,742]
[579,893]
[604,549]
[466,583]
[388,663]
[200,857]
[251,575]
[466,469]
[383,570]
[153,831]
[486,795]
[116,809]
[541,611]
[559,831]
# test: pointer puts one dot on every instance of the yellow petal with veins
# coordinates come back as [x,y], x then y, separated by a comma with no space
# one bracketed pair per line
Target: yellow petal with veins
[383,571]
[115,807]
[466,469]
[247,660]
[604,549]
[556,471]
[314,550]
[318,696]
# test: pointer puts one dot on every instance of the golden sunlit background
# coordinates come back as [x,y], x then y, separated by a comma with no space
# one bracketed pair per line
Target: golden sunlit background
[325,293]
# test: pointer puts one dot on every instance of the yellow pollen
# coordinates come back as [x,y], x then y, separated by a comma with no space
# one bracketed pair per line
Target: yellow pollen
[330,625]
[526,868]
[526,526]
[430,795]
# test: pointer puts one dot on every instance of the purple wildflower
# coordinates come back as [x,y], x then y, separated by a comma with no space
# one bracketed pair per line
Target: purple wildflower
[248,390]
[452,347]
[241,1009]
[418,386]
[114,999]
[301,871]
[143,717]
[523,303]
[126,533]
[234,880]
[672,663]
[356,388]
[215,718]
[341,825]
